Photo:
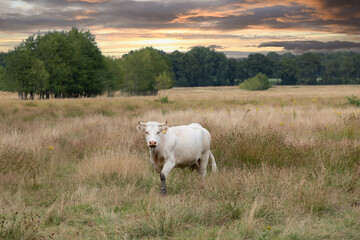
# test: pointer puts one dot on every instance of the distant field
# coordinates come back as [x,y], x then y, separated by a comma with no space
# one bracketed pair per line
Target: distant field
[288,159]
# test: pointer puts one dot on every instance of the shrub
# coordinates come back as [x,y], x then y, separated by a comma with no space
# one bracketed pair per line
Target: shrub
[259,82]
[353,100]
[164,99]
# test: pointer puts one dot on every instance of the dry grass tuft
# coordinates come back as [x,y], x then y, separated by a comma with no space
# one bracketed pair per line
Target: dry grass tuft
[119,164]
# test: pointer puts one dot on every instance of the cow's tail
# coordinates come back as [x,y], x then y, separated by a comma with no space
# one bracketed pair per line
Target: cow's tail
[213,163]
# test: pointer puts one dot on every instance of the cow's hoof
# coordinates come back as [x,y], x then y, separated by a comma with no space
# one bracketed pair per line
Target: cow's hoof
[163,192]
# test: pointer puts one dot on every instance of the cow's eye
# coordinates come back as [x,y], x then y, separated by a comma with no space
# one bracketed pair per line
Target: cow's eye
[147,132]
[158,133]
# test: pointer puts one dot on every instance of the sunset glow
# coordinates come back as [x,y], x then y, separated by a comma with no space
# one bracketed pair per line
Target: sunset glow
[236,28]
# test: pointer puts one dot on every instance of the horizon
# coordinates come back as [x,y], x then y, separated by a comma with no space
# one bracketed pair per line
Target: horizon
[236,27]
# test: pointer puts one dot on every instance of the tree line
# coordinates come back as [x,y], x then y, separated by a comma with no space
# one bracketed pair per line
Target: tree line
[204,67]
[61,64]
[69,64]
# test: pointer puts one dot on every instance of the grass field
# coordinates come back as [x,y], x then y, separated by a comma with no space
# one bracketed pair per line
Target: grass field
[288,162]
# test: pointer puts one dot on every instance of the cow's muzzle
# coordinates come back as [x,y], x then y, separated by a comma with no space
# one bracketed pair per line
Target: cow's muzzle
[152,144]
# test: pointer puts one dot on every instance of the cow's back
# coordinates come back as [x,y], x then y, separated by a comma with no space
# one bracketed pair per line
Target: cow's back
[188,142]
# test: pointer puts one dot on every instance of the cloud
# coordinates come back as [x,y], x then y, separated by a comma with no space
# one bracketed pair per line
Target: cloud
[344,9]
[291,16]
[206,14]
[247,20]
[264,16]
[213,47]
[226,36]
[303,46]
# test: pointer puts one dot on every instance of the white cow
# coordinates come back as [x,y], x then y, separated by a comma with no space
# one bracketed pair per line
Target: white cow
[178,146]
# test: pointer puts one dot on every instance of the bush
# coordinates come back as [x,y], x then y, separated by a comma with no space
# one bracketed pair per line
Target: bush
[259,82]
[353,100]
[164,99]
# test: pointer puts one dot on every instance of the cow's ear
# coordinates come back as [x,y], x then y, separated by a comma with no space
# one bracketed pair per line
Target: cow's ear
[140,128]
[164,129]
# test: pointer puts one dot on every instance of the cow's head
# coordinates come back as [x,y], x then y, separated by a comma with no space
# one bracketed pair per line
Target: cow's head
[153,131]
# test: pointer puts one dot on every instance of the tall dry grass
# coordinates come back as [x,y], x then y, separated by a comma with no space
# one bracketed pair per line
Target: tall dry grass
[288,167]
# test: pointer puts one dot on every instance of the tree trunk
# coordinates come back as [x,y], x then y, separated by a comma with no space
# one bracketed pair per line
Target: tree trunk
[20,95]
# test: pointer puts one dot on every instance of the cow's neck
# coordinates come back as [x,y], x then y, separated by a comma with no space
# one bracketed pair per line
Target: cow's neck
[156,158]
[154,151]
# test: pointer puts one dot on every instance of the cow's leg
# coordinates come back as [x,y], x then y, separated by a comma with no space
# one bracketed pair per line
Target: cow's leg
[204,159]
[163,186]
[168,166]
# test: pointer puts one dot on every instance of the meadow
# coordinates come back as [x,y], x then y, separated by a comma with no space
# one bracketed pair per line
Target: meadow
[288,160]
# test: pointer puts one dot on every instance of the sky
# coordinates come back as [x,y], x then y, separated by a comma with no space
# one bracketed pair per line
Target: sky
[235,27]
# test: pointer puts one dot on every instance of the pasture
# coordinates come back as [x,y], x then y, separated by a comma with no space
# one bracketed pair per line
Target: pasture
[288,167]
